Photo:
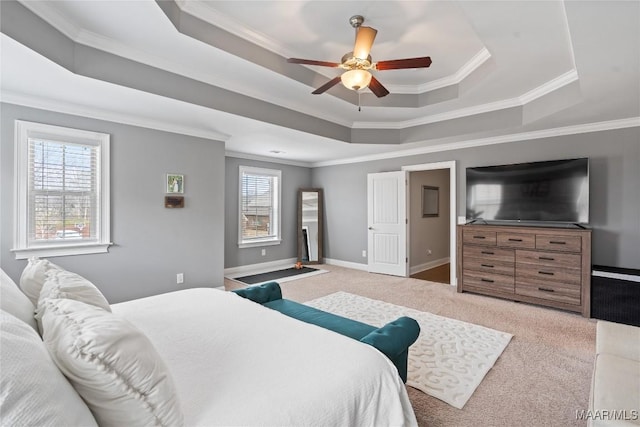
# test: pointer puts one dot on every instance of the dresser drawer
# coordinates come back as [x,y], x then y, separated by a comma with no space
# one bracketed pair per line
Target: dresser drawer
[488,281]
[551,259]
[560,292]
[548,274]
[488,266]
[481,237]
[516,240]
[559,243]
[488,254]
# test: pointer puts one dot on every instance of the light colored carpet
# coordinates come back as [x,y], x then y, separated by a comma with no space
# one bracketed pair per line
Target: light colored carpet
[541,379]
[448,360]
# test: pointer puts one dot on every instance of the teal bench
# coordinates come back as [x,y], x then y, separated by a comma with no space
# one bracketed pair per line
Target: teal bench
[392,339]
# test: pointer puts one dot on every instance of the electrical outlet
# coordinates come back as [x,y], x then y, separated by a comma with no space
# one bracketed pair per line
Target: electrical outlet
[180,278]
[264,252]
[364,254]
[429,252]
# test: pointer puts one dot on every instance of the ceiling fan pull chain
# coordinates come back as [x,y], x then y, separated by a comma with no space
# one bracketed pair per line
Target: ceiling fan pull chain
[359,108]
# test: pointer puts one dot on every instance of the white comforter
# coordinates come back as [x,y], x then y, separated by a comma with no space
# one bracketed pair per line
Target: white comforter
[236,362]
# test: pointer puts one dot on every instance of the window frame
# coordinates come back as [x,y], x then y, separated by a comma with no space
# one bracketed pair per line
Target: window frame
[25,130]
[277,206]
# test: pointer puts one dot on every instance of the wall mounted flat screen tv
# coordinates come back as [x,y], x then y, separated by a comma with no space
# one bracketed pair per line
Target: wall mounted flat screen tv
[550,191]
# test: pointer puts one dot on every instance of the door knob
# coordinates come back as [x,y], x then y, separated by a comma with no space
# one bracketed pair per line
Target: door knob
[370,228]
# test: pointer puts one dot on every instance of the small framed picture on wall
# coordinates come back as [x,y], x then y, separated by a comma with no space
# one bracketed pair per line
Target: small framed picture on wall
[175,183]
[430,196]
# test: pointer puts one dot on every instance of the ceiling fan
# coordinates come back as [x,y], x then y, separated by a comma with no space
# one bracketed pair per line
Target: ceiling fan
[358,63]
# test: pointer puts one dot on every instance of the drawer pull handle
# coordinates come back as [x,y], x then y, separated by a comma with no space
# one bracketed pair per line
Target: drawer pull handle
[548,273]
[487,253]
[479,237]
[546,258]
[515,240]
[487,265]
[487,280]
[546,290]
[557,242]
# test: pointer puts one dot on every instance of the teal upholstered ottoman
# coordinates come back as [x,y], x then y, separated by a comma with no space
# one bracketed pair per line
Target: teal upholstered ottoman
[392,339]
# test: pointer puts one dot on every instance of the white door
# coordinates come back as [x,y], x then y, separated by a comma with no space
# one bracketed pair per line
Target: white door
[387,216]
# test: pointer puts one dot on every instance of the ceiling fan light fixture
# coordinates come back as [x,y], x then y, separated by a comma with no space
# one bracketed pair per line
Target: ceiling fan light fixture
[356,79]
[364,40]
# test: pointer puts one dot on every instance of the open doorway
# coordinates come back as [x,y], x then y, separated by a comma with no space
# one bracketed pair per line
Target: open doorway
[431,232]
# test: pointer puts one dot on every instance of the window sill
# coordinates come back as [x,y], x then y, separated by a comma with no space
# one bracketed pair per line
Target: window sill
[259,243]
[66,250]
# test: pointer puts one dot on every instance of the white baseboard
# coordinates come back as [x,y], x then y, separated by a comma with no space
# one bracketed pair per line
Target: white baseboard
[262,267]
[428,265]
[347,264]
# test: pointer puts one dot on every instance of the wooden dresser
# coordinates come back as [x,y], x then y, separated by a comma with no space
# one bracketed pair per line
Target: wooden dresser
[545,266]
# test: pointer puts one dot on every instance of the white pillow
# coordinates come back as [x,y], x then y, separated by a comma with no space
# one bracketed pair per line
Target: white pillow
[68,285]
[33,277]
[112,365]
[13,301]
[33,392]
[65,284]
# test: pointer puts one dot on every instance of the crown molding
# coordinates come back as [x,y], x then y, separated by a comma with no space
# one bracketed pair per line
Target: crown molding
[463,72]
[208,13]
[101,114]
[519,101]
[440,117]
[550,86]
[502,139]
[268,159]
[10,97]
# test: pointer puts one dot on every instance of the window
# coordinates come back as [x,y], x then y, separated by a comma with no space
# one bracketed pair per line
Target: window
[62,191]
[259,219]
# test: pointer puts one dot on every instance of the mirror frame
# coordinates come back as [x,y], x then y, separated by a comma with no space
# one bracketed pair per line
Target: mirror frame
[320,225]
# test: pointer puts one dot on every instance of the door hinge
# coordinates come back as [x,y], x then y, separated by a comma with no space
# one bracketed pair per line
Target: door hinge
[406,220]
[406,260]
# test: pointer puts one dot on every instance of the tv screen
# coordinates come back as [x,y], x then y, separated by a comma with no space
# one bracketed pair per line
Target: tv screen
[551,191]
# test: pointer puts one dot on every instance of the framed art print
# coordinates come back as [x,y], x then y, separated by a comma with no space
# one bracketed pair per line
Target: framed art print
[175,183]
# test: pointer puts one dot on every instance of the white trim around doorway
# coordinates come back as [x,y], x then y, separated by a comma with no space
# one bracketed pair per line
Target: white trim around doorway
[453,197]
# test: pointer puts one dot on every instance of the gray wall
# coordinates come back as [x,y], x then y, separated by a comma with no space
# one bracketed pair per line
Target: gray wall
[293,178]
[428,233]
[151,243]
[614,190]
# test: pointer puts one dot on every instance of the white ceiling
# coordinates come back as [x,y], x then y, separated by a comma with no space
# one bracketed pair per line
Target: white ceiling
[561,66]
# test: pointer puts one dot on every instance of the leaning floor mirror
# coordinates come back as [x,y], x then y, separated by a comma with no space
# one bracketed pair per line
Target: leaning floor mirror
[310,225]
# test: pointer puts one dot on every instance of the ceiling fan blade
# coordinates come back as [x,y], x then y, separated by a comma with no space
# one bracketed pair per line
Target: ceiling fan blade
[364,40]
[376,87]
[312,62]
[398,64]
[325,87]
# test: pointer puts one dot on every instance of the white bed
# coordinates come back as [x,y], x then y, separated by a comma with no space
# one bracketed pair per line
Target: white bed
[196,357]
[235,362]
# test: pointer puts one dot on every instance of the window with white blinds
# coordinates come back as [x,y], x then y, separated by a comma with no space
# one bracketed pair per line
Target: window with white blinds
[259,207]
[62,188]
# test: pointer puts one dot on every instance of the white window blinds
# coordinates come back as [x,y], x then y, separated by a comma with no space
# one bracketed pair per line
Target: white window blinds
[259,205]
[63,196]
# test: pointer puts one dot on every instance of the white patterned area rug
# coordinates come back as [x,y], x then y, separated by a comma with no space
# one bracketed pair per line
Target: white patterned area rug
[450,357]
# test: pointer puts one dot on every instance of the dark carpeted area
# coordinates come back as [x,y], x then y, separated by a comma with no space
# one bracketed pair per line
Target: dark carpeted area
[274,275]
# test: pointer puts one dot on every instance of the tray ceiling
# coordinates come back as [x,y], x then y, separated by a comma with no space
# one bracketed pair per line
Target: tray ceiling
[218,69]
